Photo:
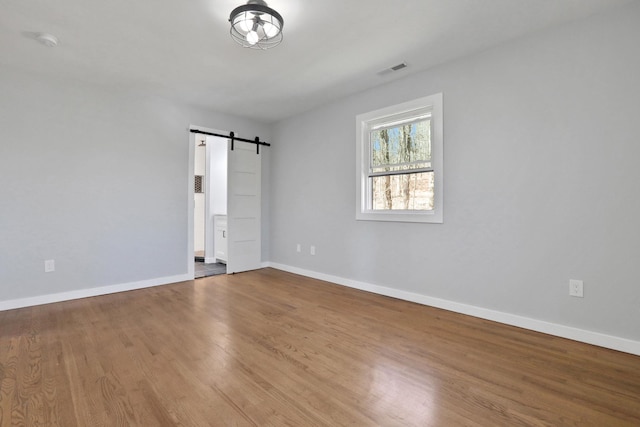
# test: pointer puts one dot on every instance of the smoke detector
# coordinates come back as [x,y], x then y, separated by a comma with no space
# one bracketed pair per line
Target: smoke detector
[47,39]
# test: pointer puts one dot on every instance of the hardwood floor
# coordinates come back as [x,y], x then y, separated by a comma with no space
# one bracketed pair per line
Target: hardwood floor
[272,348]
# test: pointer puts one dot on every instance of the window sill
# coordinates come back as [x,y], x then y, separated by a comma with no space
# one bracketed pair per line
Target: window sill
[431,217]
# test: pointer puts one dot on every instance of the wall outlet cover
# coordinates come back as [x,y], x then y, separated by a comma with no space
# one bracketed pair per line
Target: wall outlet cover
[576,288]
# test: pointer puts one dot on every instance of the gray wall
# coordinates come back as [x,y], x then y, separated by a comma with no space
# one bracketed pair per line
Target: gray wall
[541,182]
[95,178]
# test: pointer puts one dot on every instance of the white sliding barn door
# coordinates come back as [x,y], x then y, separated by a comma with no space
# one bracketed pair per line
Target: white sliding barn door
[243,208]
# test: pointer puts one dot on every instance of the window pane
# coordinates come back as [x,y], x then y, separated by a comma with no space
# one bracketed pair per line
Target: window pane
[407,146]
[403,192]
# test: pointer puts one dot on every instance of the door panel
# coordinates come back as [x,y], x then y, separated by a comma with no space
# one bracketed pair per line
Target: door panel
[243,208]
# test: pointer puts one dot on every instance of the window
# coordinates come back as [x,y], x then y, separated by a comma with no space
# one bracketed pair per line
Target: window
[399,162]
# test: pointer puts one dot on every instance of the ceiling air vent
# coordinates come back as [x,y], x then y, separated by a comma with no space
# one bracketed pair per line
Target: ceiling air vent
[390,70]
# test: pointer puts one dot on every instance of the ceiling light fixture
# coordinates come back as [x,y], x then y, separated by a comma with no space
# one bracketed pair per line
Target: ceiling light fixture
[256,25]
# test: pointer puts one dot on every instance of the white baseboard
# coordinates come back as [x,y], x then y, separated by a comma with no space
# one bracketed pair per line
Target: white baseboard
[91,292]
[589,337]
[210,260]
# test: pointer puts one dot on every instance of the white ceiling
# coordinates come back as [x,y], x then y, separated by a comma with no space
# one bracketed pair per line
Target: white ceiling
[182,49]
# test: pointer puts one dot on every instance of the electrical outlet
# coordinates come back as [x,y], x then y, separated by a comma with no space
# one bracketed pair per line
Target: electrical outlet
[312,250]
[576,288]
[298,248]
[49,265]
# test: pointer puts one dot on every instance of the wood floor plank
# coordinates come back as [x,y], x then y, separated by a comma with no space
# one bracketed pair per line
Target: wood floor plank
[268,348]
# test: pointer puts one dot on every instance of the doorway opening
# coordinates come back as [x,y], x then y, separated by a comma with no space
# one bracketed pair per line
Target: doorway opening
[209,205]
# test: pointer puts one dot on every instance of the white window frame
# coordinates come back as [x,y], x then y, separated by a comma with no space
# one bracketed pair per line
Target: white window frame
[364,123]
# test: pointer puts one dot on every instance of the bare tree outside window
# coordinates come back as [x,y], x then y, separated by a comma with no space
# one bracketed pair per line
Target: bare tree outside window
[400,171]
